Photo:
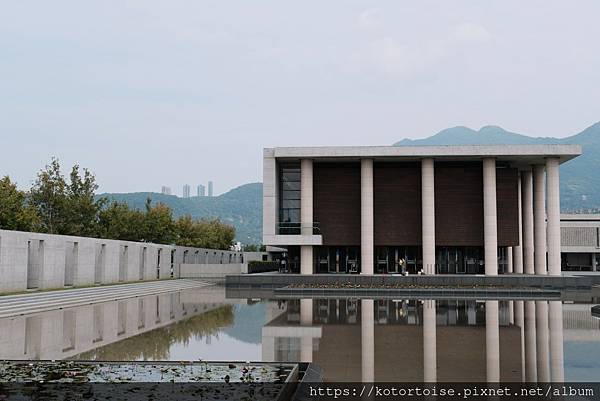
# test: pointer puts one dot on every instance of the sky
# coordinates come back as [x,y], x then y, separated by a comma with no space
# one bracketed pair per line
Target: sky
[149,93]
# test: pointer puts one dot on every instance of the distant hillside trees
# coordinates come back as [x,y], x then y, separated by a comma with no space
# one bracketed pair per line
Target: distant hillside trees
[56,205]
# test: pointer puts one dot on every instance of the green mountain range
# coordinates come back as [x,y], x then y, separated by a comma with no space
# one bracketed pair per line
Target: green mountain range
[242,206]
[580,177]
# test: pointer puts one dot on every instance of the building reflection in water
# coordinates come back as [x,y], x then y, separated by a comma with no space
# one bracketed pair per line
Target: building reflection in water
[413,340]
[84,332]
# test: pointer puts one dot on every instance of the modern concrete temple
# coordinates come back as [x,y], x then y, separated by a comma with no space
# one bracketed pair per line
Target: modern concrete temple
[431,209]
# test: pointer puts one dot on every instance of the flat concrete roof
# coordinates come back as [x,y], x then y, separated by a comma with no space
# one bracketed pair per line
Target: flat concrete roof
[580,217]
[516,154]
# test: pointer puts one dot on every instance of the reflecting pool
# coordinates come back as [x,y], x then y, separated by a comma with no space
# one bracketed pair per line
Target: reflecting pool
[350,339]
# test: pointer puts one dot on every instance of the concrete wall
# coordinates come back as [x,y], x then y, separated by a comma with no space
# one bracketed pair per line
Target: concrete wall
[212,270]
[47,261]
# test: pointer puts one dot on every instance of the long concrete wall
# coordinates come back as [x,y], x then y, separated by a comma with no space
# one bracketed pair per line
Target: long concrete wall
[47,261]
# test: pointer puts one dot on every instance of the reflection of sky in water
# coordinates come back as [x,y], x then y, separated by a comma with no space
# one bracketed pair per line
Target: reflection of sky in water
[219,348]
[582,361]
[240,341]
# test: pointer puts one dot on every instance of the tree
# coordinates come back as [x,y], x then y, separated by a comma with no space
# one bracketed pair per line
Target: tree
[83,208]
[254,248]
[204,233]
[158,225]
[119,221]
[49,198]
[15,213]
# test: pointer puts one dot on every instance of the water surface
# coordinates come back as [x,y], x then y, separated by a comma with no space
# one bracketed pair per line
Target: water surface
[350,339]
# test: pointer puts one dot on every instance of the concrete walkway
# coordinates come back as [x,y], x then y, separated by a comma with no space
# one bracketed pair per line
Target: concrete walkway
[12,305]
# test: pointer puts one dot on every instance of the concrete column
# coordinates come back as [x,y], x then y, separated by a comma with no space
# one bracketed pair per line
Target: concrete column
[518,250]
[520,322]
[306,319]
[306,196]
[553,206]
[492,342]
[490,223]
[530,342]
[306,259]
[527,209]
[543,350]
[428,215]
[539,220]
[367,323]
[557,368]
[429,342]
[509,260]
[511,312]
[306,214]
[366,216]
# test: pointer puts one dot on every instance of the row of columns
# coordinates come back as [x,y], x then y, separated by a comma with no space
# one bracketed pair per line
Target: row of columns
[541,334]
[535,237]
[539,221]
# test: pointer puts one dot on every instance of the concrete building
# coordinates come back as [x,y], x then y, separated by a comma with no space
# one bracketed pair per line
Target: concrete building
[186,191]
[201,190]
[210,189]
[432,209]
[165,190]
[580,242]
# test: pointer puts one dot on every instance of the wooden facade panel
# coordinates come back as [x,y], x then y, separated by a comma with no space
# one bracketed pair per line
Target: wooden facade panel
[507,195]
[397,203]
[458,204]
[336,202]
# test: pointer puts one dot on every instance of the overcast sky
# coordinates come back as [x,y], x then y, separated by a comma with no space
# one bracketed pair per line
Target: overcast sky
[149,93]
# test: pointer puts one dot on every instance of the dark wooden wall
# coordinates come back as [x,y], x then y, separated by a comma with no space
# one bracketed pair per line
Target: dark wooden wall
[507,195]
[459,205]
[336,202]
[397,203]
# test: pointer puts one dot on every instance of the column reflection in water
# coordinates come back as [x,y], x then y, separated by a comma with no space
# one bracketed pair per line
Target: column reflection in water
[429,341]
[367,340]
[306,319]
[543,352]
[557,368]
[530,342]
[520,322]
[492,341]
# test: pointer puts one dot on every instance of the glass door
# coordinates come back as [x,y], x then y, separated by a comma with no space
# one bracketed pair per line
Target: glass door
[382,259]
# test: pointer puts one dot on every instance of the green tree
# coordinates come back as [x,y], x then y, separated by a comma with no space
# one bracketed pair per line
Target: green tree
[204,233]
[119,221]
[49,198]
[159,226]
[15,213]
[83,208]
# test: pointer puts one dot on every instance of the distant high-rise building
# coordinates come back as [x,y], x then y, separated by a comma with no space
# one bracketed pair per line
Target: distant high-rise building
[201,190]
[165,190]
[186,191]
[210,188]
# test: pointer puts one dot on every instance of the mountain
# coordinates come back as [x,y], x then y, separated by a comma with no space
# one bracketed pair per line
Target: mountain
[580,177]
[241,207]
